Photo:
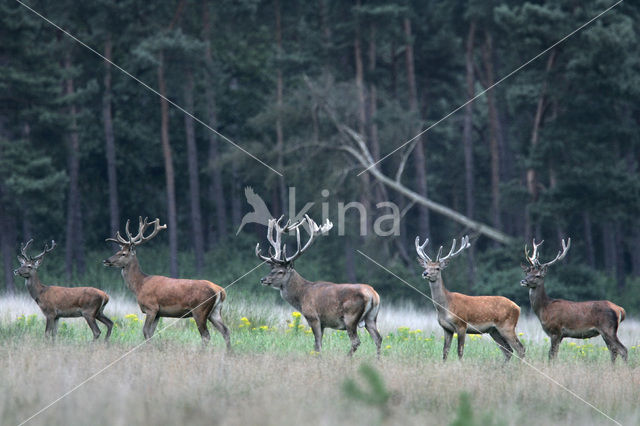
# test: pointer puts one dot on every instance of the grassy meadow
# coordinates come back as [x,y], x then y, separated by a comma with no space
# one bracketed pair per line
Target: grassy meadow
[273,377]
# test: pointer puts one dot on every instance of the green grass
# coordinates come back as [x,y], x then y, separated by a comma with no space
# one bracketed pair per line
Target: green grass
[259,334]
[274,377]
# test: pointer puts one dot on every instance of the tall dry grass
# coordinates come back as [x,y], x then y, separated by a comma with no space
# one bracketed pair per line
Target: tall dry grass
[173,380]
[165,383]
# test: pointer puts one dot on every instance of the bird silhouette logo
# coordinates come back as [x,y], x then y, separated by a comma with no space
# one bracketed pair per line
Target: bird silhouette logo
[260,213]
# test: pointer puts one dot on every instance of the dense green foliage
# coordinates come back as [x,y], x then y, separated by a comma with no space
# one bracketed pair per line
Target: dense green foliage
[571,170]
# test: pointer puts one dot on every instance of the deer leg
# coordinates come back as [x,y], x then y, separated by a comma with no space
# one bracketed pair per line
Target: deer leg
[448,336]
[615,346]
[153,325]
[147,332]
[555,344]
[511,337]
[621,348]
[318,331]
[48,328]
[54,329]
[106,321]
[462,333]
[375,335]
[201,322]
[504,346]
[92,325]
[353,336]
[216,319]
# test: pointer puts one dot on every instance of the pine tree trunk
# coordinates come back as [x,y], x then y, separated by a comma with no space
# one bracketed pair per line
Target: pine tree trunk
[532,181]
[349,262]
[169,173]
[588,239]
[419,161]
[494,133]
[216,189]
[236,191]
[468,145]
[634,250]
[73,199]
[194,179]
[279,106]
[7,245]
[362,105]
[609,247]
[110,147]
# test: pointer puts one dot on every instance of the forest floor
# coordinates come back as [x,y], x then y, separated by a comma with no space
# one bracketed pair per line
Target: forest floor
[273,377]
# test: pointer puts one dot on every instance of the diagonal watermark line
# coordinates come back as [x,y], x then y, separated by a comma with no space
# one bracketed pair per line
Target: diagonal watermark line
[135,348]
[563,39]
[542,373]
[146,86]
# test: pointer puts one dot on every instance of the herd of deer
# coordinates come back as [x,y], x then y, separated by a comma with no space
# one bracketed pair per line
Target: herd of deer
[325,304]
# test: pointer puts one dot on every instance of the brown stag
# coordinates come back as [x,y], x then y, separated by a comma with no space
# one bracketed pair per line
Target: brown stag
[562,318]
[323,304]
[462,314]
[62,302]
[160,296]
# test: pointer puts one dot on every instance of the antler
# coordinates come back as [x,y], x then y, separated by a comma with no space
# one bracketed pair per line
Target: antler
[139,238]
[464,243]
[280,252]
[25,247]
[533,259]
[420,249]
[561,254]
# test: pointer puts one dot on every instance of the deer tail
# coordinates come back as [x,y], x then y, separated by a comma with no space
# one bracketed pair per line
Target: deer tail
[621,315]
[105,300]
[371,308]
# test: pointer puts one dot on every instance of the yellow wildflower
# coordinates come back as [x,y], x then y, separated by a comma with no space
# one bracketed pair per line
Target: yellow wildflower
[388,347]
[520,334]
[296,314]
[132,317]
[264,327]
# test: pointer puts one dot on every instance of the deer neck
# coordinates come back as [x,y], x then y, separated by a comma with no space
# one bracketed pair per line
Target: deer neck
[439,295]
[538,298]
[35,287]
[133,275]
[294,289]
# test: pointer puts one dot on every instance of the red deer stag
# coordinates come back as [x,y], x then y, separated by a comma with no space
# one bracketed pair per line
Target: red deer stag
[462,314]
[323,304]
[62,302]
[160,296]
[562,318]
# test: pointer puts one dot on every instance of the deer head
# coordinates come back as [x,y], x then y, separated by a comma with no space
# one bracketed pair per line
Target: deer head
[433,268]
[535,271]
[28,264]
[127,251]
[281,264]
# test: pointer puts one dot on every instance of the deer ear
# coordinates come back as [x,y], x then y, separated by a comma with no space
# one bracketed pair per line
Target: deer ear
[22,260]
[444,264]
[524,267]
[543,270]
[37,263]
